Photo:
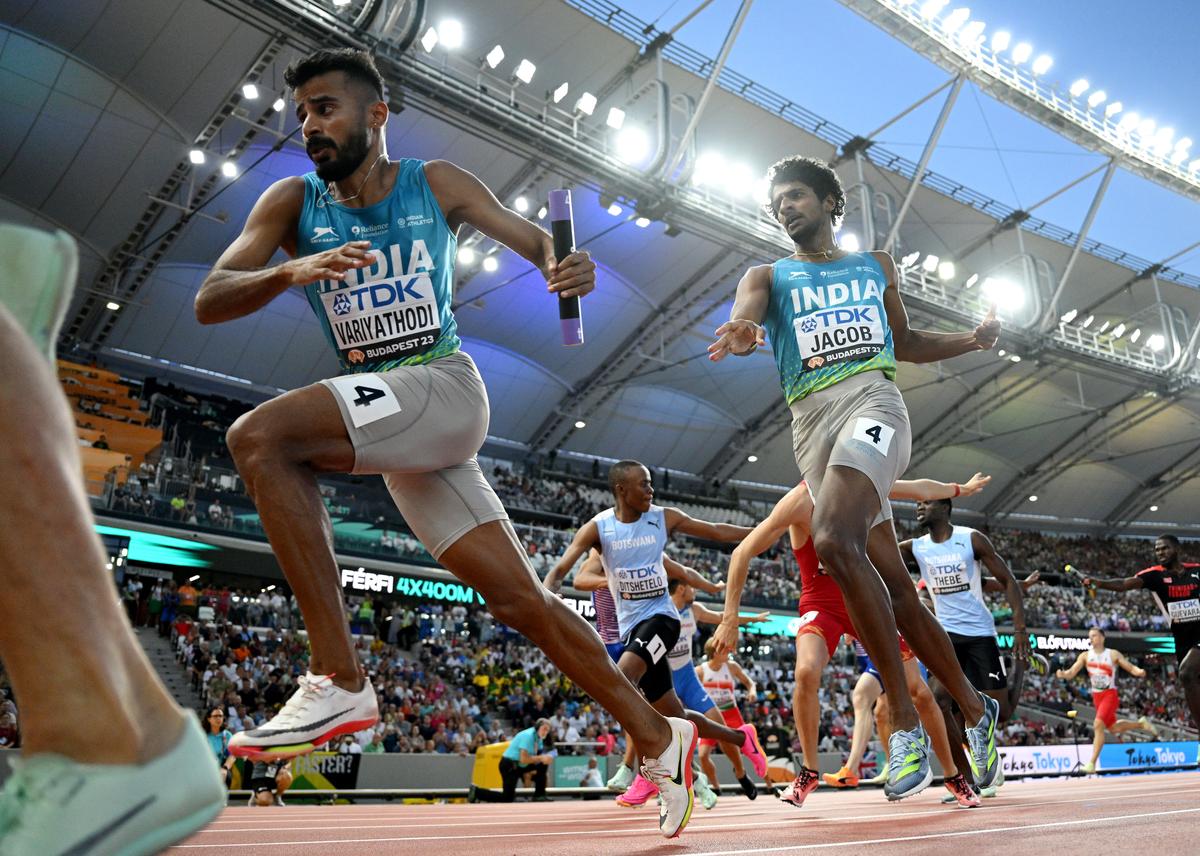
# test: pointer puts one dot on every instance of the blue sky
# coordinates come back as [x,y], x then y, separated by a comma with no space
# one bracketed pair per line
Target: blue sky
[842,67]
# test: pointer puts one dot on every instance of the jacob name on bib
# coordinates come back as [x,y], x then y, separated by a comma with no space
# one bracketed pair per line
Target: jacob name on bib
[828,331]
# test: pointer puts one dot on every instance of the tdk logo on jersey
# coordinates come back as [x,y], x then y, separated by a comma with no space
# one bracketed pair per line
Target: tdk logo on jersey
[323,235]
[806,298]
[838,317]
[381,294]
[341,305]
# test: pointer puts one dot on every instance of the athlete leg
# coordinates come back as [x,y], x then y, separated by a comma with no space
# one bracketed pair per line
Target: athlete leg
[881,719]
[670,705]
[706,764]
[1016,683]
[812,654]
[845,507]
[865,693]
[279,447]
[1123,725]
[953,720]
[84,686]
[921,629]
[931,717]
[1098,740]
[1189,679]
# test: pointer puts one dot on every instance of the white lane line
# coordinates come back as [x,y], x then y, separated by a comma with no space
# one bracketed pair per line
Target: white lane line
[1090,821]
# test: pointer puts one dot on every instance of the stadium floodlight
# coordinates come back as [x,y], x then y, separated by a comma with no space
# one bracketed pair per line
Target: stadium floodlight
[1178,156]
[490,264]
[1156,342]
[1068,317]
[1128,122]
[1146,128]
[112,305]
[931,263]
[931,8]
[494,57]
[753,459]
[450,31]
[1033,497]
[586,104]
[1137,334]
[250,91]
[1097,98]
[1154,508]
[524,71]
[971,280]
[848,241]
[1103,327]
[466,256]
[561,92]
[1042,64]
[739,180]
[229,169]
[278,105]
[972,34]
[542,213]
[709,168]
[1001,353]
[1022,52]
[1001,39]
[946,271]
[1015,358]
[956,19]
[196,156]
[1113,109]
[1006,294]
[910,259]
[429,39]
[642,222]
[1087,322]
[1183,144]
[615,210]
[579,423]
[1194,166]
[1118,331]
[341,2]
[633,146]
[521,204]
[1079,87]
[616,118]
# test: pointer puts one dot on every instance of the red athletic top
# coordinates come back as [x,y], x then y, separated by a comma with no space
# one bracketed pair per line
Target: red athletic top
[817,588]
[1177,593]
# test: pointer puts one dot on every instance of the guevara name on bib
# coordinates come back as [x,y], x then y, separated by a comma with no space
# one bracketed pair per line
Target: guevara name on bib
[1184,610]
[386,309]
[834,322]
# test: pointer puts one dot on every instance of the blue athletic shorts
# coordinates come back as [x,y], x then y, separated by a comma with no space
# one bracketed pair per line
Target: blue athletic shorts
[614,650]
[690,690]
[865,665]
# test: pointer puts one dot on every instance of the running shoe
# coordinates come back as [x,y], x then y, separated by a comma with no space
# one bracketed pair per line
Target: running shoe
[843,778]
[708,799]
[961,792]
[989,793]
[753,750]
[672,773]
[316,713]
[1149,726]
[638,793]
[1039,665]
[803,785]
[911,773]
[621,780]
[879,779]
[1089,768]
[985,759]
[748,787]
[52,804]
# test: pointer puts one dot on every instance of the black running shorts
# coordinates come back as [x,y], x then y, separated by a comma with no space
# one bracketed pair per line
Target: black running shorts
[652,640]
[979,657]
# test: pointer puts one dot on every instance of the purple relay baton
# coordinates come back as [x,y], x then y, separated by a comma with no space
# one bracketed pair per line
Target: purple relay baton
[562,230]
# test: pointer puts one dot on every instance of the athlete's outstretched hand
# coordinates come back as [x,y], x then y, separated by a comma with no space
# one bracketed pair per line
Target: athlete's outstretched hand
[1060,673]
[330,264]
[725,638]
[574,276]
[975,484]
[758,617]
[988,330]
[739,337]
[1139,672]
[1021,650]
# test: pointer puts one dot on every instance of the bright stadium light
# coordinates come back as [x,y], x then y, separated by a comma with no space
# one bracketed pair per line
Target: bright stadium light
[490,264]
[1103,327]
[1156,342]
[1154,508]
[1113,109]
[1068,317]
[1022,52]
[848,241]
[1097,98]
[542,213]
[931,8]
[931,263]
[1079,87]
[739,180]
[1194,166]
[956,19]
[971,280]
[340,3]
[1001,39]
[196,156]
[525,70]
[1015,358]
[945,271]
[1033,497]
[579,423]
[450,31]
[910,259]
[561,92]
[1118,331]
[642,222]
[495,56]
[616,118]
[1146,128]
[1137,334]
[229,169]
[112,305]
[1129,121]
[586,104]
[278,105]
[633,146]
[615,210]
[709,168]
[1087,322]
[250,91]
[429,39]
[521,204]
[1005,293]
[1042,64]
[972,34]
[1183,144]
[752,458]
[466,256]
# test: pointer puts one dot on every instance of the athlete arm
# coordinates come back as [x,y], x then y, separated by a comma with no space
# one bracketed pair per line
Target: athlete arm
[679,521]
[591,576]
[1123,661]
[930,489]
[1070,673]
[986,553]
[692,577]
[745,680]
[704,615]
[994,585]
[923,346]
[587,537]
[240,282]
[465,199]
[1126,584]
[743,333]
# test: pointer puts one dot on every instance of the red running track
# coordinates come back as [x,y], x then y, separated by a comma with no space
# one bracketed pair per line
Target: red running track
[1148,814]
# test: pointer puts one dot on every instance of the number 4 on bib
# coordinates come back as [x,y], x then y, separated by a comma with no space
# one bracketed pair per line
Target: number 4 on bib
[367,398]
[875,434]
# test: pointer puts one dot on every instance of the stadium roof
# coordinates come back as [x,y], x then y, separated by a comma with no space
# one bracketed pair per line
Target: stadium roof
[107,100]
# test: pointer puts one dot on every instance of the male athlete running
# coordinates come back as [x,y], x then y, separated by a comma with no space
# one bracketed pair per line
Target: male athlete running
[373,244]
[719,675]
[1101,664]
[631,537]
[824,620]
[837,326]
[1175,585]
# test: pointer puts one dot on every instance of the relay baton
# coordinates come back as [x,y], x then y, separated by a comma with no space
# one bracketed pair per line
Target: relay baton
[562,230]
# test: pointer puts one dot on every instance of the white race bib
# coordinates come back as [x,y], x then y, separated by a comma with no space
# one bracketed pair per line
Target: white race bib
[390,318]
[842,333]
[1184,610]
[948,579]
[367,397]
[641,583]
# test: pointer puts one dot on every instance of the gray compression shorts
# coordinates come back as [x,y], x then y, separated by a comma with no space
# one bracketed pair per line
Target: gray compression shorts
[861,423]
[420,428]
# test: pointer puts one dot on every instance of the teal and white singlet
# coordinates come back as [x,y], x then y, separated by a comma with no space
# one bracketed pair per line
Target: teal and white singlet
[396,312]
[826,322]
